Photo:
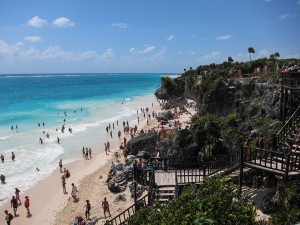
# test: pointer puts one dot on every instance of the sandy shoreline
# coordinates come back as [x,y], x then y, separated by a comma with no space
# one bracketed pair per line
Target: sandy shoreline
[49,205]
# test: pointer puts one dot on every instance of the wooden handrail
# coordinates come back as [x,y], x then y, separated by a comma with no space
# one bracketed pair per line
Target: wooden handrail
[285,130]
[290,79]
[126,214]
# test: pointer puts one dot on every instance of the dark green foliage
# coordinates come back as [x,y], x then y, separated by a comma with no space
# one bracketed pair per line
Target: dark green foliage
[287,198]
[210,203]
[169,84]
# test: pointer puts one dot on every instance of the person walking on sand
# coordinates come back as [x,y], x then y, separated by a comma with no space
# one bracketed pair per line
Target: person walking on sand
[87,209]
[63,182]
[27,204]
[105,207]
[74,192]
[108,146]
[17,193]
[8,217]
[105,148]
[14,205]
[60,165]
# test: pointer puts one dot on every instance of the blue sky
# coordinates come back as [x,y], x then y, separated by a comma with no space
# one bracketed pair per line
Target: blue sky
[62,36]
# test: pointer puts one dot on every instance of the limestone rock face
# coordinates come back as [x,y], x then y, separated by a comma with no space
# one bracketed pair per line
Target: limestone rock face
[179,146]
[144,142]
[249,99]
[119,181]
[166,115]
[179,88]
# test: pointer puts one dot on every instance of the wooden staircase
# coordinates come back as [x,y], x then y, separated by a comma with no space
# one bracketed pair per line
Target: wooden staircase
[169,173]
[165,193]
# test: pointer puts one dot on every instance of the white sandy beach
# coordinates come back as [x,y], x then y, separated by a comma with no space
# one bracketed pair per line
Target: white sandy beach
[49,205]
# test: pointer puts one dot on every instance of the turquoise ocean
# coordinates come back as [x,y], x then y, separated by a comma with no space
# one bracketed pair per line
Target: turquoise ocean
[87,103]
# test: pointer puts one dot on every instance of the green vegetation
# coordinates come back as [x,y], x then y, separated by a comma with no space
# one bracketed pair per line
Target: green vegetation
[251,51]
[211,203]
[168,84]
[287,199]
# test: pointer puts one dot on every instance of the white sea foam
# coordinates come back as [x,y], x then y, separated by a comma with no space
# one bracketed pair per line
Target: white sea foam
[22,172]
[88,130]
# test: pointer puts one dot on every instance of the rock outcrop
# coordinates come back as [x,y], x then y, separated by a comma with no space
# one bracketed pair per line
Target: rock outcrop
[144,142]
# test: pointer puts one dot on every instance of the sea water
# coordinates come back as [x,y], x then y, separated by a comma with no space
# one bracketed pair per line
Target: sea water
[32,105]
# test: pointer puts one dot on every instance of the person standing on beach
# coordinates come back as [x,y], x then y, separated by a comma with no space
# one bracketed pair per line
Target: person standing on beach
[111,134]
[108,146]
[90,152]
[58,140]
[105,207]
[74,192]
[87,209]
[13,156]
[60,165]
[105,148]
[86,153]
[8,217]
[2,158]
[83,152]
[17,193]
[63,182]
[14,205]
[27,204]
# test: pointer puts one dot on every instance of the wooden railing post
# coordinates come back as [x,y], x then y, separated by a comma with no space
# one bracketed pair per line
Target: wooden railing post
[135,196]
[287,167]
[241,169]
[274,142]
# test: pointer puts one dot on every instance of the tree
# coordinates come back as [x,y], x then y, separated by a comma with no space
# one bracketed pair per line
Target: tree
[184,69]
[191,68]
[276,55]
[251,50]
[230,59]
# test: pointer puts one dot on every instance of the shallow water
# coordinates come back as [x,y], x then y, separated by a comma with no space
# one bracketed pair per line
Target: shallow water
[88,102]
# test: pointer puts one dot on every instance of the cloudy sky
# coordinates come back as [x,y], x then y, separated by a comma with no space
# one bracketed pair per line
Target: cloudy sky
[67,36]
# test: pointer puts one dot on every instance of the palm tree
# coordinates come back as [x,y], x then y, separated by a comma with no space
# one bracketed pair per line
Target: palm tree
[251,50]
[230,59]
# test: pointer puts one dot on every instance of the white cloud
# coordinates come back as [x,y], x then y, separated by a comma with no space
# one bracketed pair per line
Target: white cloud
[170,38]
[36,22]
[51,53]
[160,54]
[148,49]
[10,51]
[224,37]
[132,51]
[263,53]
[120,25]
[32,38]
[30,53]
[4,49]
[284,16]
[108,55]
[63,22]
[213,56]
